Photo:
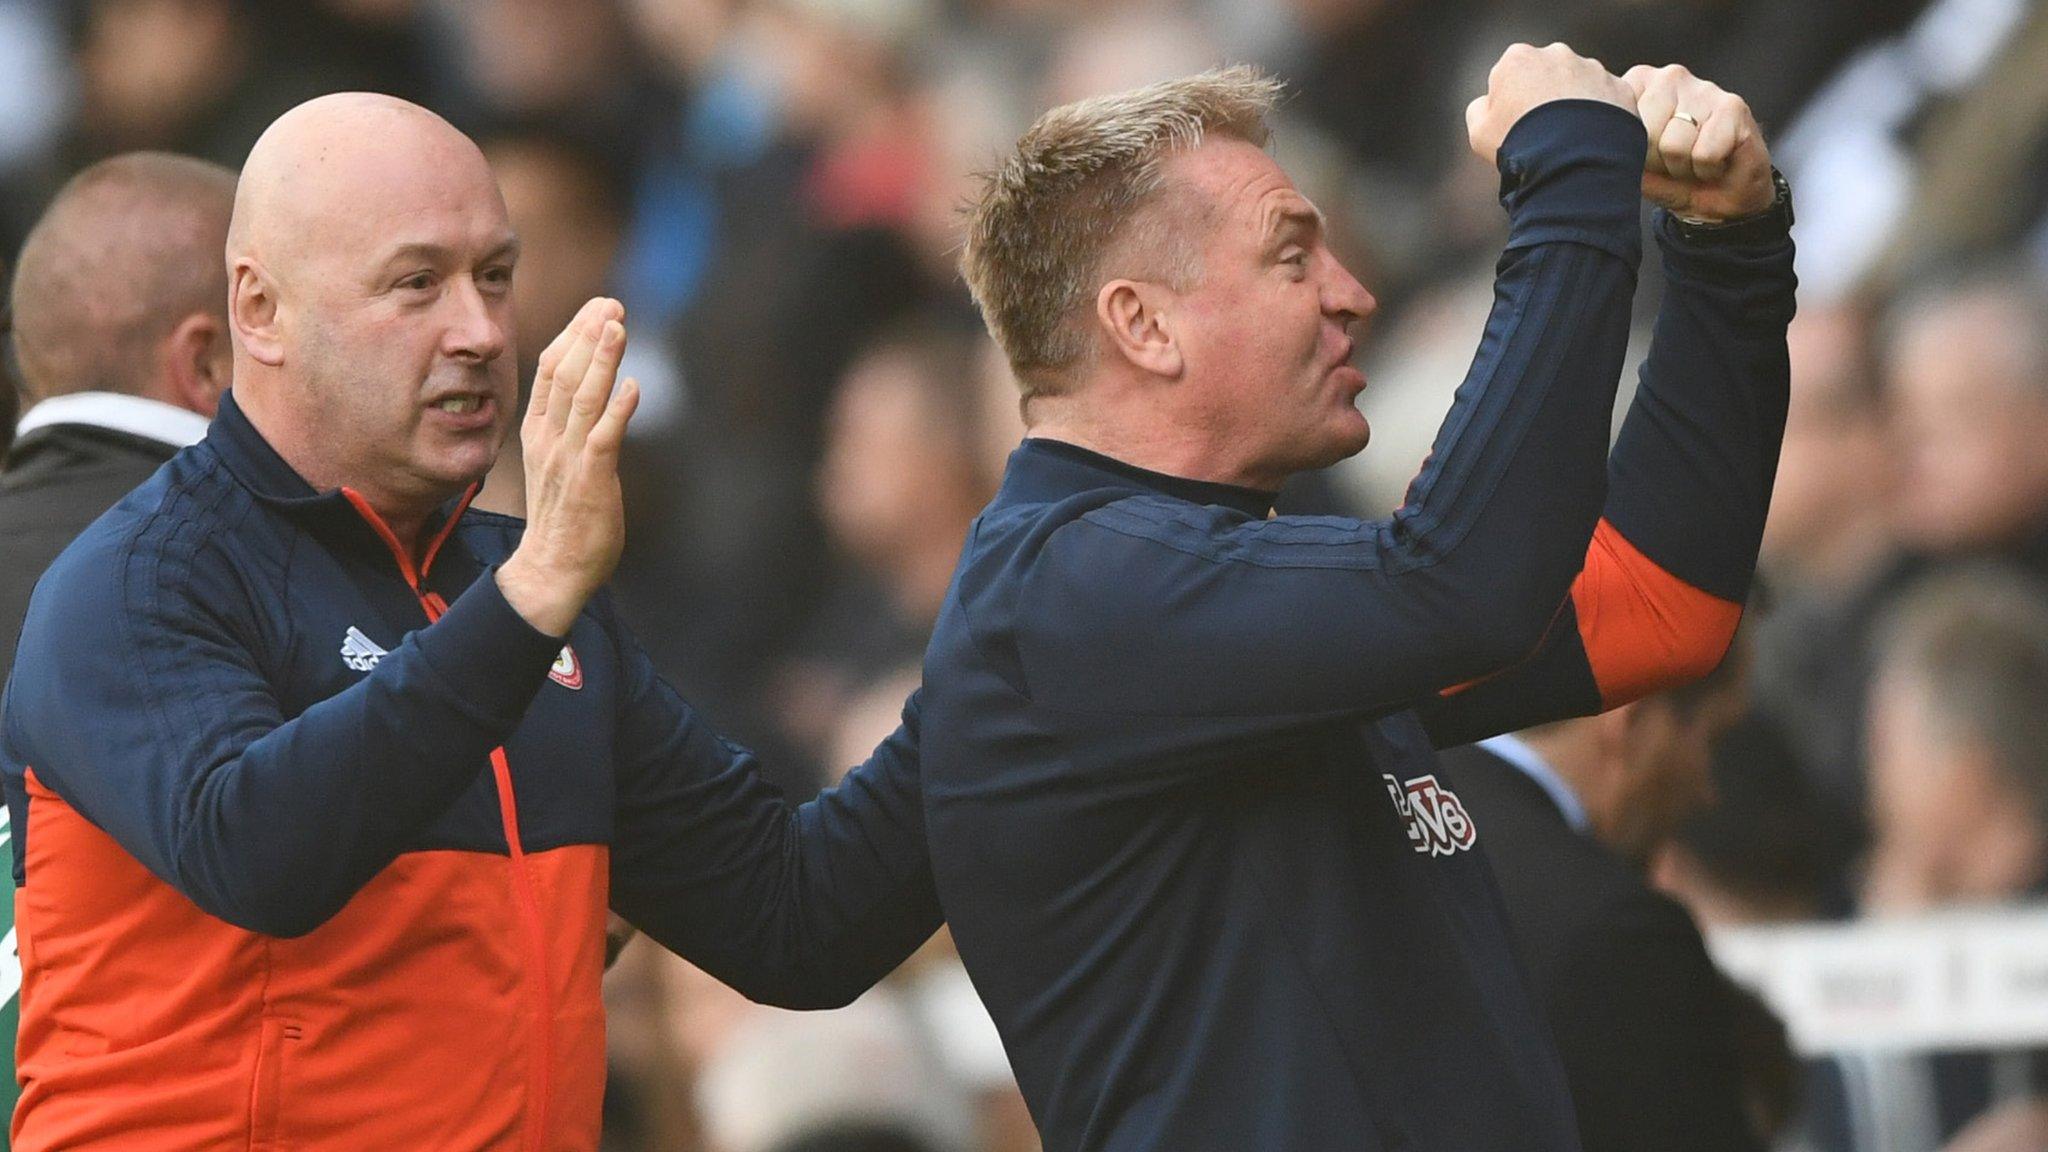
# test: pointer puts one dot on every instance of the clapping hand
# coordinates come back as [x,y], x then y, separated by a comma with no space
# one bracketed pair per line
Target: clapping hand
[574,429]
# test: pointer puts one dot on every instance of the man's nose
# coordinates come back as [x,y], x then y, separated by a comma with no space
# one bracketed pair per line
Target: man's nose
[1346,298]
[475,331]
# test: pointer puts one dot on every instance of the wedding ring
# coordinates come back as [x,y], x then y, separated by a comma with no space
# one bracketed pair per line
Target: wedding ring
[1687,117]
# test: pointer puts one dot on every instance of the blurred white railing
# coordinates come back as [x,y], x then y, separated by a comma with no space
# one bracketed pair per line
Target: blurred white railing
[1962,980]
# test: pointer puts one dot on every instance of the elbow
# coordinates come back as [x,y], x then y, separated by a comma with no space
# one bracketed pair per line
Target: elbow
[1682,655]
[804,991]
[275,908]
[1504,633]
[282,919]
[1701,650]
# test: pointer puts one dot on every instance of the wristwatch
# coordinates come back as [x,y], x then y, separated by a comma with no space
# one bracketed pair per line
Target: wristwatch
[1773,221]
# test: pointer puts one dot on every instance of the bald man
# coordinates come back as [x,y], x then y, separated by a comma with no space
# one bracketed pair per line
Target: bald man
[121,331]
[325,781]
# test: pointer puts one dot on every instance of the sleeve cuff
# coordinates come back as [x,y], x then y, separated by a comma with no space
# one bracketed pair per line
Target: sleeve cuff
[484,649]
[1572,170]
[1766,230]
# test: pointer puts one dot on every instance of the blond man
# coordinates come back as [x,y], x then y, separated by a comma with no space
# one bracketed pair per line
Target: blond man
[1179,779]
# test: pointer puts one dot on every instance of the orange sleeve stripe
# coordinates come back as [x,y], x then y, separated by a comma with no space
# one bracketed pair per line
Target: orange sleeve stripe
[1643,628]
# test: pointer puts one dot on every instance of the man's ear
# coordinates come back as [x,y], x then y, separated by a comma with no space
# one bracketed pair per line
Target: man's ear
[253,311]
[1137,321]
[196,363]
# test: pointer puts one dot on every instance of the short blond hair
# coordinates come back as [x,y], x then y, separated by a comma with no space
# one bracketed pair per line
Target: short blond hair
[1047,224]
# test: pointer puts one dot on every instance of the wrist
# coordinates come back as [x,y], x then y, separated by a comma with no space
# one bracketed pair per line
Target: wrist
[548,603]
[1774,219]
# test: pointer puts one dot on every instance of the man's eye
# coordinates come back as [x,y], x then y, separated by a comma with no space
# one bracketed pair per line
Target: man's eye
[497,277]
[417,282]
[1297,258]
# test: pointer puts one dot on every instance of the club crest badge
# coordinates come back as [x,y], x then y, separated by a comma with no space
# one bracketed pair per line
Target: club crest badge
[566,671]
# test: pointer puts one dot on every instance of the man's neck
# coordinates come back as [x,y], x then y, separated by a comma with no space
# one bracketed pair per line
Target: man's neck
[1155,444]
[405,517]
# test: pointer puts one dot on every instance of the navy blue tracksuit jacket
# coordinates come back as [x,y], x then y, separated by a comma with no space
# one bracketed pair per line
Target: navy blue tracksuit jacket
[1179,772]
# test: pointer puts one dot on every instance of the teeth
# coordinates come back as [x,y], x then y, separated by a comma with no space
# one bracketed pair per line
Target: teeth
[461,405]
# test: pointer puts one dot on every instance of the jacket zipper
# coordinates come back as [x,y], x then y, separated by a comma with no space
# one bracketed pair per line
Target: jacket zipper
[541,1073]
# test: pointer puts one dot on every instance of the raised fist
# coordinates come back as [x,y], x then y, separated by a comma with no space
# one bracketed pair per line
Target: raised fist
[1707,159]
[1526,77]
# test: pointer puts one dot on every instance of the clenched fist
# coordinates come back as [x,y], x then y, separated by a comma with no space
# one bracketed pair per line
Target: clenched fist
[575,516]
[1526,77]
[1707,159]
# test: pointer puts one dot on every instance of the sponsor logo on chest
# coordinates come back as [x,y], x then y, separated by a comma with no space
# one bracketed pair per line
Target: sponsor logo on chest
[1438,824]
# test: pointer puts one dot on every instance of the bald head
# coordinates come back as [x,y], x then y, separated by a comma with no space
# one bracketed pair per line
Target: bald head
[370,277]
[325,177]
[128,251]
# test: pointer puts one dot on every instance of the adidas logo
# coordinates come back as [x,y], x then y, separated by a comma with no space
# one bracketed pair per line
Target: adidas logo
[360,652]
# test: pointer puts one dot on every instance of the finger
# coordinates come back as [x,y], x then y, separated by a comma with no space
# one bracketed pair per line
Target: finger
[1675,195]
[1475,118]
[608,436]
[1715,146]
[550,359]
[1675,146]
[575,363]
[1638,79]
[1654,107]
[595,390]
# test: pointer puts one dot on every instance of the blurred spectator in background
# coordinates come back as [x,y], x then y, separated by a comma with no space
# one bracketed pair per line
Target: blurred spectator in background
[1959,746]
[1760,855]
[1959,802]
[902,475]
[1827,554]
[566,201]
[1828,525]
[1968,377]
[1570,815]
[119,304]
[119,308]
[1754,856]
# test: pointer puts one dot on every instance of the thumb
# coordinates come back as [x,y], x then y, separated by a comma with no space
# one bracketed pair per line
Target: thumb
[1667,192]
[1475,117]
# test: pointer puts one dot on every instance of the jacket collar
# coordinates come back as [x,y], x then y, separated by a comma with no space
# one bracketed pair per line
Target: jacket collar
[1517,754]
[1043,470]
[340,518]
[144,419]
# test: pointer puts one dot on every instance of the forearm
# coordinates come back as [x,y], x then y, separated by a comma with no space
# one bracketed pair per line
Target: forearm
[1661,590]
[798,906]
[1691,473]
[281,836]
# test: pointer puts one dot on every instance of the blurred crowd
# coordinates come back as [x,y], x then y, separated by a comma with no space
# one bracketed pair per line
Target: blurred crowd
[771,187]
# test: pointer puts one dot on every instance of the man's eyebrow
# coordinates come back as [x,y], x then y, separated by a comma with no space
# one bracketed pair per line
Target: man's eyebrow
[507,247]
[1296,218]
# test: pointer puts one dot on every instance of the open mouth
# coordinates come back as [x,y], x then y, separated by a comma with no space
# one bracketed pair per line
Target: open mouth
[461,405]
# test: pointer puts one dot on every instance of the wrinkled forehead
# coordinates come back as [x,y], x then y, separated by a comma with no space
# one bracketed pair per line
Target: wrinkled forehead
[1239,187]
